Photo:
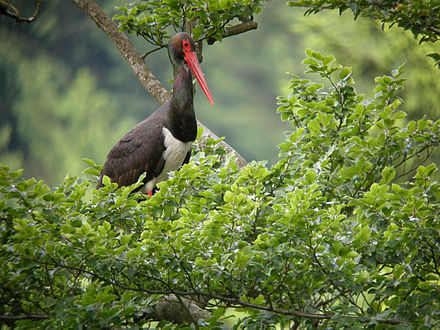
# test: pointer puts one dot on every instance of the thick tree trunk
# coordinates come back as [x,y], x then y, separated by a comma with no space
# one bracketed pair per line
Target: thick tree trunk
[179,310]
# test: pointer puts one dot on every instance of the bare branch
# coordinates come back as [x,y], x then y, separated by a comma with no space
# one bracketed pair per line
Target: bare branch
[236,29]
[121,41]
[240,28]
[151,51]
[23,317]
[434,29]
[9,10]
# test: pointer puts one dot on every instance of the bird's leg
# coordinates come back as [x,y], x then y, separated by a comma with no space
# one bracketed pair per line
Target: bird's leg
[150,193]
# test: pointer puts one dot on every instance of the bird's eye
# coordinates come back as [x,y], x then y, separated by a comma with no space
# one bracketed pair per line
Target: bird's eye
[186,45]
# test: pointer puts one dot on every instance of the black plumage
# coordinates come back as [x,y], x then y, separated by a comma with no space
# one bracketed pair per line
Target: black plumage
[161,142]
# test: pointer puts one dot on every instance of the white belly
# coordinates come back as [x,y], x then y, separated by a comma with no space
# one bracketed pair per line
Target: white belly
[174,155]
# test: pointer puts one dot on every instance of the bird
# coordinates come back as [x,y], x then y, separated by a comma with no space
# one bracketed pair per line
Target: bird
[162,142]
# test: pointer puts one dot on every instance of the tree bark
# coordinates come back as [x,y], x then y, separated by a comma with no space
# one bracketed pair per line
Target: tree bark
[139,67]
[179,310]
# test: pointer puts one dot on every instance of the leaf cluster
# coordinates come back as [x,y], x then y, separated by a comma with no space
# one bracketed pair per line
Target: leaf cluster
[156,21]
[421,17]
[342,231]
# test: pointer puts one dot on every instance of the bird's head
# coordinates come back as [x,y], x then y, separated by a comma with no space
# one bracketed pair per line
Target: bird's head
[181,50]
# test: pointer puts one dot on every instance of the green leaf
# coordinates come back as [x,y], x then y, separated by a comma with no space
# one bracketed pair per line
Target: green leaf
[86,228]
[344,251]
[199,131]
[105,297]
[388,174]
[89,162]
[106,181]
[344,72]
[398,271]
[309,52]
[314,125]
[364,234]
[328,59]
[92,171]
[229,197]
[362,276]
[310,176]
[336,247]
[310,62]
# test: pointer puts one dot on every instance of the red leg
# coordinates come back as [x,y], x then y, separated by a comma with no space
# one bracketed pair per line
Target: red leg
[150,193]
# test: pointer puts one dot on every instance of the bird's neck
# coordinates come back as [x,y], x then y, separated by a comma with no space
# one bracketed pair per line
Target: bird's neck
[182,116]
[183,90]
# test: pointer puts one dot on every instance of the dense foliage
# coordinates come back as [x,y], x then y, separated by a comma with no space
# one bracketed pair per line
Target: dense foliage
[421,17]
[58,89]
[342,231]
[156,21]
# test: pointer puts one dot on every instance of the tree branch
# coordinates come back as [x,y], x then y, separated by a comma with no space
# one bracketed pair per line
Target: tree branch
[9,10]
[245,26]
[176,310]
[434,29]
[121,41]
[151,51]
[137,64]
[171,309]
[14,318]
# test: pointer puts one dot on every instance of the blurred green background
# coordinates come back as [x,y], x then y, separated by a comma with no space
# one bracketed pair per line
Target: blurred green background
[66,92]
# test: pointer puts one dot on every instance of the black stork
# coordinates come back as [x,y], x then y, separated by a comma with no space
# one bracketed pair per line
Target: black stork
[162,142]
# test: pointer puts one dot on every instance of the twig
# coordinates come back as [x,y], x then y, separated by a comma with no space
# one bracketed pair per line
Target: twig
[230,301]
[151,51]
[24,317]
[4,6]
[236,29]
[434,29]
[121,41]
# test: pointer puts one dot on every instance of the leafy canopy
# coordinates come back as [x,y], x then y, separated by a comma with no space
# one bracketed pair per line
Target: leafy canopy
[343,231]
[156,21]
[421,17]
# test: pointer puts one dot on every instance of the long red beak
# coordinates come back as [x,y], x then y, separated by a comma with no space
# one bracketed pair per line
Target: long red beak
[191,59]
